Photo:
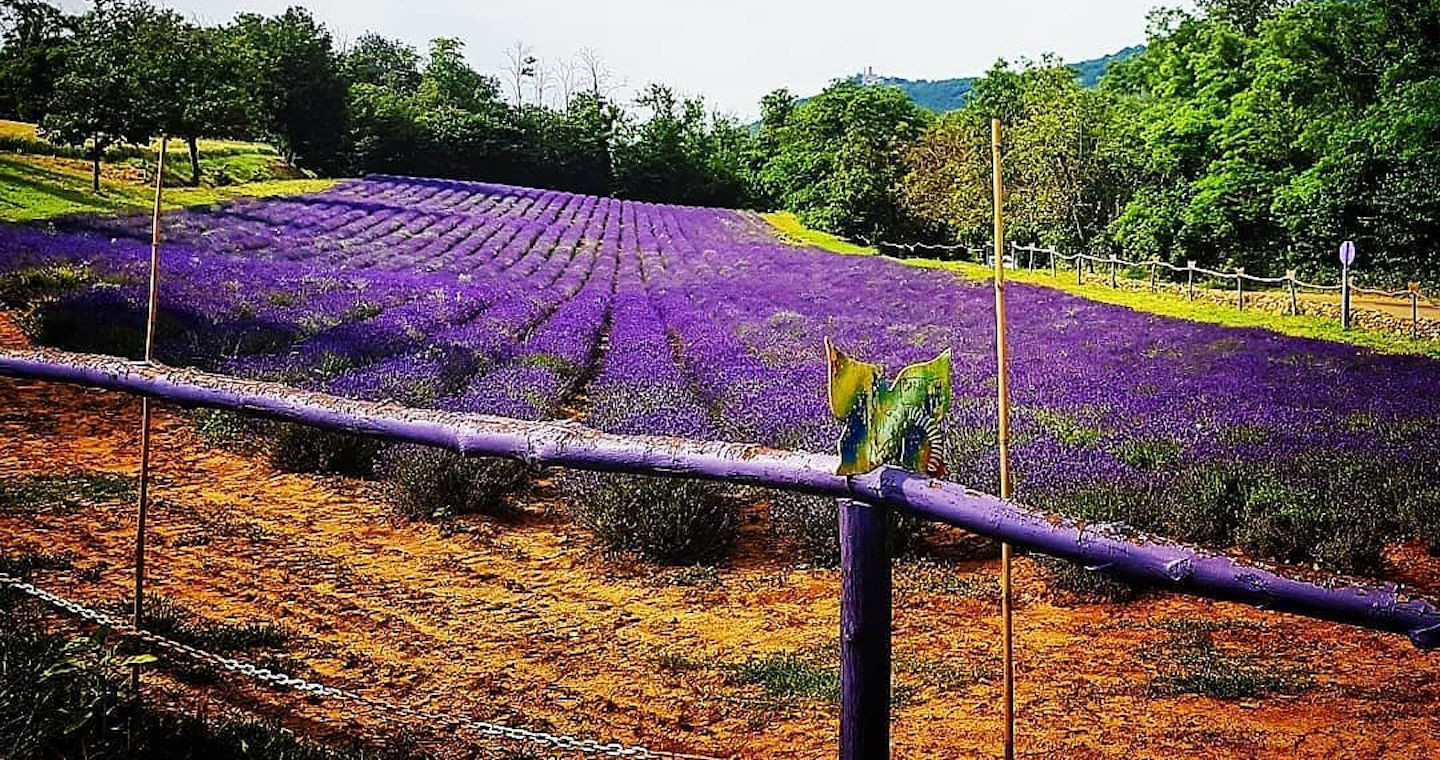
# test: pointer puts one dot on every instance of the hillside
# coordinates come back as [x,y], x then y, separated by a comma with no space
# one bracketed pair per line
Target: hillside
[39,180]
[942,95]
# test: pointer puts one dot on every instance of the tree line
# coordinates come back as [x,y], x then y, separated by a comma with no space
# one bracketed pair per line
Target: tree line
[1254,134]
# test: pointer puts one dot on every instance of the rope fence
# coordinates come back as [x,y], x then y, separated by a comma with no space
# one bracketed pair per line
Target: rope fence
[1025,256]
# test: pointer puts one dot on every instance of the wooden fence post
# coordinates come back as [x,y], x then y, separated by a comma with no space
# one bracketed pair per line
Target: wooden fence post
[1079,270]
[1240,287]
[1190,278]
[865,590]
[1414,310]
[1154,270]
[1054,270]
[1294,297]
[1030,259]
[1114,283]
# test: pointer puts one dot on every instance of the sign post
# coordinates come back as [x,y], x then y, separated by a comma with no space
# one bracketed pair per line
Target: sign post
[1347,258]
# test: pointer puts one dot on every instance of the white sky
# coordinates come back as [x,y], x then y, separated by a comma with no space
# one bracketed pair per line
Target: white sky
[735,51]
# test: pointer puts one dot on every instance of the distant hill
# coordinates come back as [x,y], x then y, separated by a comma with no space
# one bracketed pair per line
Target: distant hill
[943,95]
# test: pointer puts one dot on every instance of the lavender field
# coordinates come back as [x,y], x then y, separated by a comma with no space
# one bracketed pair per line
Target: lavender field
[645,318]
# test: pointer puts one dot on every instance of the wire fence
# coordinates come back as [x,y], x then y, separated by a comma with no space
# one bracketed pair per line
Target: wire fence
[1025,257]
[270,678]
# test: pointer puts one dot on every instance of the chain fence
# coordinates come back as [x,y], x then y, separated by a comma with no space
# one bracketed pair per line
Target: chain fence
[268,677]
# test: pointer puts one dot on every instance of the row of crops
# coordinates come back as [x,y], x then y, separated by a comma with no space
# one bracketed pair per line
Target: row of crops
[644,318]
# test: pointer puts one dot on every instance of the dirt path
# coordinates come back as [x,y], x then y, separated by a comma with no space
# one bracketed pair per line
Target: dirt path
[1395,307]
[527,624]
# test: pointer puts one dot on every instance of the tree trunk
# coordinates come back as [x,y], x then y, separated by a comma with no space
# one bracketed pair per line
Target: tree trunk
[194,160]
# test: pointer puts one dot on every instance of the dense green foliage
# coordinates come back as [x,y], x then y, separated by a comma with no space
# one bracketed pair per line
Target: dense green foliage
[1258,135]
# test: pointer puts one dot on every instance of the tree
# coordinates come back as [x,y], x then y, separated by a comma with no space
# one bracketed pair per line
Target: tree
[520,63]
[838,160]
[33,37]
[100,95]
[298,85]
[203,86]
[382,62]
[450,82]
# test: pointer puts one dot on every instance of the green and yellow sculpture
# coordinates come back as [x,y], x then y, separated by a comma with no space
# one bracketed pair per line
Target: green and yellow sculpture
[889,423]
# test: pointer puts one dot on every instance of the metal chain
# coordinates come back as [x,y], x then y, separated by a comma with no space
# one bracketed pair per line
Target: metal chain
[311,688]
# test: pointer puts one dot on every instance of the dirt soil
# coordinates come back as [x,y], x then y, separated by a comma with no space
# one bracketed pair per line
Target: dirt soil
[526,623]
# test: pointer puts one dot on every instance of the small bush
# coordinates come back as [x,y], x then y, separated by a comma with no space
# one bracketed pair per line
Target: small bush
[218,427]
[670,521]
[1420,511]
[790,676]
[1299,522]
[814,523]
[430,483]
[41,493]
[1198,667]
[298,448]
[1088,586]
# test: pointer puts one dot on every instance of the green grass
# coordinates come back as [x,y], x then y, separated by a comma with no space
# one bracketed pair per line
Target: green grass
[1301,325]
[32,189]
[796,233]
[790,676]
[43,493]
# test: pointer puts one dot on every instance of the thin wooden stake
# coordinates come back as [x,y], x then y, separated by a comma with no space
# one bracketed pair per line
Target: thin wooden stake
[144,490]
[1002,357]
[1190,279]
[1240,287]
[1294,297]
[1114,283]
[1414,310]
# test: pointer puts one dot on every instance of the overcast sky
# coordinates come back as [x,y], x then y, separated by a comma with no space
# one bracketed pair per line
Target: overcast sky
[734,51]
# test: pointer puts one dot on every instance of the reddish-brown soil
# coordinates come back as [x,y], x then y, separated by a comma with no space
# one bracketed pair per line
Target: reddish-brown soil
[528,623]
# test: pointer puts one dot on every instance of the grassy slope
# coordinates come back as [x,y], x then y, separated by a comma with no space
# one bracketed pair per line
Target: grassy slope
[1304,326]
[37,186]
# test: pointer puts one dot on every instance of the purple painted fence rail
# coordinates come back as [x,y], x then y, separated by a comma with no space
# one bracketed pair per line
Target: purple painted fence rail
[1169,565]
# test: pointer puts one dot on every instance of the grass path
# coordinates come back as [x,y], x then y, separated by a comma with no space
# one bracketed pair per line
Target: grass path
[1303,325]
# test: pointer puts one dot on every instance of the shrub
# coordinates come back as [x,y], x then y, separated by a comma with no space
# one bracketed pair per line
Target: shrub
[1089,586]
[1205,503]
[662,519]
[814,523]
[298,448]
[1198,667]
[40,493]
[430,483]
[1302,522]
[791,676]
[1420,511]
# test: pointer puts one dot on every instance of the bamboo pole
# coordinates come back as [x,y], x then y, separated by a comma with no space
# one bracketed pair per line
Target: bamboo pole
[1002,357]
[143,500]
